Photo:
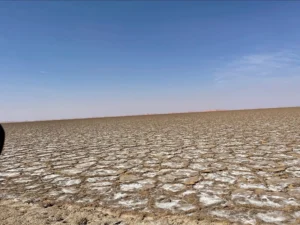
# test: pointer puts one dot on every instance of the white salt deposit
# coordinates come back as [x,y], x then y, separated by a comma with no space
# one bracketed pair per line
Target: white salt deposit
[272,217]
[208,200]
[131,187]
[173,187]
[167,205]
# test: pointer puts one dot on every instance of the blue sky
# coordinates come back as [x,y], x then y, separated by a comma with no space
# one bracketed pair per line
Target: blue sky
[99,58]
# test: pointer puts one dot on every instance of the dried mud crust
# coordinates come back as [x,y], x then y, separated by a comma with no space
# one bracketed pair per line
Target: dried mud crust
[238,167]
[16,212]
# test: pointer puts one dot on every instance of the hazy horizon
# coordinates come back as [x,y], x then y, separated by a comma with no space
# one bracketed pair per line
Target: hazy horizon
[147,114]
[62,60]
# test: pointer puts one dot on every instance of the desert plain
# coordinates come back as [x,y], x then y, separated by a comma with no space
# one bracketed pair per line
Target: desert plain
[223,167]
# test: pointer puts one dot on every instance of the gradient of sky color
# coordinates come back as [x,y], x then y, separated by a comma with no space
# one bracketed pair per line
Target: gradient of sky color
[99,58]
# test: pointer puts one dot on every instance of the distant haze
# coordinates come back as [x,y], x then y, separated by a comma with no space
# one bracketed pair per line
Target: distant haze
[93,59]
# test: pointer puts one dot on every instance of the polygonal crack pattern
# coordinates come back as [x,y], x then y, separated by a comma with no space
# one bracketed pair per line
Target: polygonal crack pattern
[237,166]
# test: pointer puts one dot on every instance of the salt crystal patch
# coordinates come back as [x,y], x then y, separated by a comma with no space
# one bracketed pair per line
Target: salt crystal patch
[54,193]
[85,200]
[101,188]
[69,190]
[164,171]
[259,203]
[91,179]
[183,173]
[167,205]
[66,182]
[239,173]
[243,194]
[22,180]
[173,165]
[203,184]
[104,172]
[105,183]
[277,187]
[131,187]
[252,186]
[186,207]
[173,187]
[197,166]
[38,172]
[9,174]
[73,182]
[150,174]
[72,171]
[297,150]
[146,181]
[296,214]
[272,217]
[58,179]
[62,198]
[235,217]
[295,173]
[132,203]
[51,176]
[188,192]
[84,165]
[95,179]
[220,213]
[222,178]
[208,200]
[266,200]
[32,187]
[119,195]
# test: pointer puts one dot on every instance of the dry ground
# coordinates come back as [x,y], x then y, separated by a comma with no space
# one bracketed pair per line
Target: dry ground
[238,167]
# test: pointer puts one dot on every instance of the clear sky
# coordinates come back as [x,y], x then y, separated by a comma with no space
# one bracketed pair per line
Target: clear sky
[96,58]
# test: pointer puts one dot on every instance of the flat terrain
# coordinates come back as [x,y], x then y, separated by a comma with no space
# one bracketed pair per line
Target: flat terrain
[239,167]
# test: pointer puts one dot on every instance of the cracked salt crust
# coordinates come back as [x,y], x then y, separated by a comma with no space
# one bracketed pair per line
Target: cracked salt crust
[248,161]
[271,201]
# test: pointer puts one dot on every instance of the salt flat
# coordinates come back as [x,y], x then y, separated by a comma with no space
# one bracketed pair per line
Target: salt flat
[238,167]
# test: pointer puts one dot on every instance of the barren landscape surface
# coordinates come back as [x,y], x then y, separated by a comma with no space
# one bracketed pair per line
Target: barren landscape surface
[239,167]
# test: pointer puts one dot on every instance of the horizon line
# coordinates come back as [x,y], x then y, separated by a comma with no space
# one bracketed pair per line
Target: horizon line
[150,114]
